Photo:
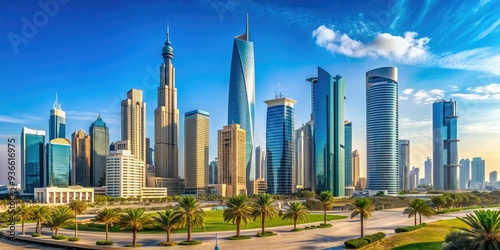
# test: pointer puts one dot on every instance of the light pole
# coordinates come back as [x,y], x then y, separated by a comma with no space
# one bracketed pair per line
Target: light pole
[216,241]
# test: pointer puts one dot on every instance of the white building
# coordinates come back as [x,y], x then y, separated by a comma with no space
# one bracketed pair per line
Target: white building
[57,195]
[124,174]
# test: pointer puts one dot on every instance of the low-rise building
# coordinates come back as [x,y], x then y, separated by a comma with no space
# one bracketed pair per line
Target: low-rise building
[57,195]
[259,186]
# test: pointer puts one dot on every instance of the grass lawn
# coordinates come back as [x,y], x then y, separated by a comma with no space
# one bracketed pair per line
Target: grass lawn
[214,222]
[427,238]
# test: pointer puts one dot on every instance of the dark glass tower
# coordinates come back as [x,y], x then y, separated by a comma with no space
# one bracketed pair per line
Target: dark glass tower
[99,141]
[57,122]
[348,153]
[58,164]
[32,159]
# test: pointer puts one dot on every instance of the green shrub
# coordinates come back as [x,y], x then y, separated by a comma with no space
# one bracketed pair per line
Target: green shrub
[188,243]
[35,235]
[167,244]
[355,243]
[307,228]
[73,239]
[59,237]
[104,243]
[132,245]
[313,227]
[241,237]
[323,225]
[296,230]
[408,229]
[266,234]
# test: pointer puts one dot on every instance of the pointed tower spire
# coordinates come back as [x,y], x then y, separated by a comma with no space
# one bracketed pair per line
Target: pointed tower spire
[247,32]
[168,33]
[168,51]
[56,103]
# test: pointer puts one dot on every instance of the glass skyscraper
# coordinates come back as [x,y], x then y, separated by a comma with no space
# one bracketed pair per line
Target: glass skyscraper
[32,159]
[464,173]
[58,163]
[404,165]
[428,171]
[99,142]
[280,145]
[348,153]
[57,122]
[445,145]
[328,115]
[478,170]
[382,129]
[241,104]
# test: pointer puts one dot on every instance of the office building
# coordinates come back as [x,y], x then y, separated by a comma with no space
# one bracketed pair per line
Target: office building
[259,186]
[464,174]
[414,178]
[493,178]
[404,165]
[241,103]
[57,122]
[166,149]
[259,163]
[428,171]
[478,170]
[124,174]
[213,172]
[348,153]
[196,142]
[149,152]
[445,145]
[57,195]
[280,145]
[80,159]
[355,168]
[299,159]
[32,160]
[362,183]
[308,155]
[231,142]
[58,163]
[99,141]
[382,129]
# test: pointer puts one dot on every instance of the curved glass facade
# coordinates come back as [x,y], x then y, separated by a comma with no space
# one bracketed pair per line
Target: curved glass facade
[59,159]
[382,129]
[241,104]
[32,159]
[280,145]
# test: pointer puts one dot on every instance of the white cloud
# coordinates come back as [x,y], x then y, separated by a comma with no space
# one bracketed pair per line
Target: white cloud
[407,91]
[403,98]
[487,92]
[428,97]
[493,88]
[91,116]
[407,122]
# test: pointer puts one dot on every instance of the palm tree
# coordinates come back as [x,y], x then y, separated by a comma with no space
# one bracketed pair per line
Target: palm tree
[107,216]
[364,208]
[60,217]
[296,211]
[263,207]
[78,207]
[39,214]
[168,220]
[24,212]
[420,207]
[238,210]
[136,220]
[326,198]
[425,210]
[484,231]
[191,214]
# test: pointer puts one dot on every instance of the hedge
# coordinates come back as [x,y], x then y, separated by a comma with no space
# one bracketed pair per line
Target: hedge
[266,234]
[59,237]
[408,229]
[192,242]
[104,243]
[73,239]
[35,235]
[363,241]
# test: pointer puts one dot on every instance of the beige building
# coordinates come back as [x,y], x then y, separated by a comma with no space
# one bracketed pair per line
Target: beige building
[134,126]
[259,186]
[175,186]
[362,183]
[124,174]
[355,168]
[153,192]
[56,195]
[232,161]
[80,159]
[196,142]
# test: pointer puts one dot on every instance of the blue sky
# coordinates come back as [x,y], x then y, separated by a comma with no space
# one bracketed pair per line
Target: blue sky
[93,52]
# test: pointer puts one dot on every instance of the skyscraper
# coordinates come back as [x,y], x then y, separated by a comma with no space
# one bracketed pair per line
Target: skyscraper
[196,141]
[404,165]
[414,177]
[428,171]
[308,155]
[149,152]
[124,174]
[259,163]
[299,158]
[32,160]
[134,125]
[59,162]
[348,153]
[80,159]
[57,122]
[464,173]
[493,178]
[166,149]
[231,142]
[99,142]
[241,104]
[478,167]
[329,95]
[213,175]
[445,145]
[382,129]
[280,145]
[355,168]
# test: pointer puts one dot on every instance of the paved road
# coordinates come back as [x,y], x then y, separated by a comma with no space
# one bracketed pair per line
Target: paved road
[325,238]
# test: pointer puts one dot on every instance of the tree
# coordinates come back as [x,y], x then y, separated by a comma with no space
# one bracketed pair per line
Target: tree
[136,220]
[296,211]
[23,212]
[238,210]
[425,210]
[484,231]
[326,198]
[263,207]
[439,201]
[168,220]
[364,208]
[59,218]
[78,207]
[107,216]
[190,213]
[39,214]
[418,207]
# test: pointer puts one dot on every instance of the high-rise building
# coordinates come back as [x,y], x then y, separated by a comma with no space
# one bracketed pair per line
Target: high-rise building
[478,170]
[196,142]
[259,163]
[299,159]
[57,122]
[134,125]
[404,165]
[149,152]
[241,103]
[355,168]
[464,173]
[280,145]
[348,153]
[213,172]
[445,145]
[308,155]
[80,159]
[58,163]
[231,142]
[382,129]
[493,178]
[414,178]
[99,141]
[124,174]
[32,160]
[428,171]
[362,183]
[329,140]
[166,149]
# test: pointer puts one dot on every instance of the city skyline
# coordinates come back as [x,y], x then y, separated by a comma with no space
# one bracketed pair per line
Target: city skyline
[127,58]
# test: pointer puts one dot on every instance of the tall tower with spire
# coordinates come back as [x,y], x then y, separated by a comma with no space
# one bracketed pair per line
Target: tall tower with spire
[167,118]
[57,121]
[241,104]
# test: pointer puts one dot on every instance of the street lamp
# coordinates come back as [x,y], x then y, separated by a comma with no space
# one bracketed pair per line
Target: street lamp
[216,241]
